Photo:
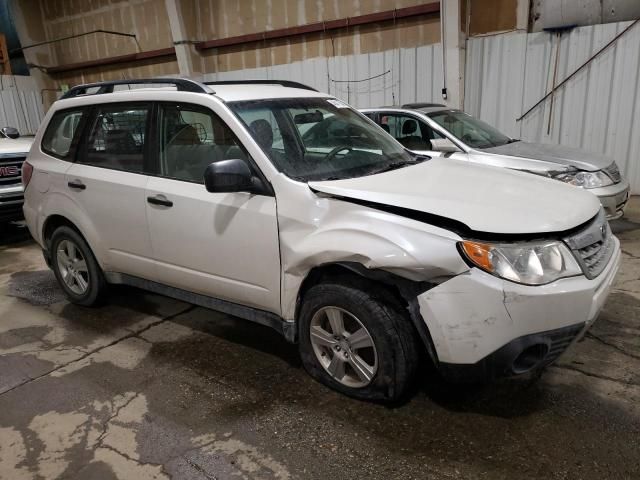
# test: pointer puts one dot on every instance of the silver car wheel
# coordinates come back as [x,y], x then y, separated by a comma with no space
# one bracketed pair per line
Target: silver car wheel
[344,347]
[72,267]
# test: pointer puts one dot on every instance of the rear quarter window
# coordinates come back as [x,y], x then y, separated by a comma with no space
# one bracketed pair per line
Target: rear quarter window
[62,129]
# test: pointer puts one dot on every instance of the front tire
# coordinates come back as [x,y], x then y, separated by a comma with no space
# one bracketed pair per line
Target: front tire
[356,343]
[76,269]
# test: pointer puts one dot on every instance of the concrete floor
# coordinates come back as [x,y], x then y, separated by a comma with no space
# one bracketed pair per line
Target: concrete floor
[149,387]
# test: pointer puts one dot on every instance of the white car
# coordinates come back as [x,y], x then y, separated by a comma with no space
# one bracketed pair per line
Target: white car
[13,152]
[439,131]
[339,239]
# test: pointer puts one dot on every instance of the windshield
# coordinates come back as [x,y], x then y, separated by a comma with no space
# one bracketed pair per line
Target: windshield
[320,138]
[471,131]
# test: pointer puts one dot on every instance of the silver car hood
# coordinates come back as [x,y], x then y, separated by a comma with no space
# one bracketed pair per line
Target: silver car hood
[20,145]
[566,156]
[485,199]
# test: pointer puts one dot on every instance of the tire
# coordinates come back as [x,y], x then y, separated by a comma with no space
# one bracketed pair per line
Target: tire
[68,252]
[391,361]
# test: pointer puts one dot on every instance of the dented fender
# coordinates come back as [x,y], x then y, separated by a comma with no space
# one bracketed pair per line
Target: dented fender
[335,231]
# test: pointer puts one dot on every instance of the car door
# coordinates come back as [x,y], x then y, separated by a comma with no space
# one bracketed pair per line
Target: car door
[108,182]
[223,245]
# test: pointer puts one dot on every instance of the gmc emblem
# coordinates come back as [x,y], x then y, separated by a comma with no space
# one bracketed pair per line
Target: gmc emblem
[10,171]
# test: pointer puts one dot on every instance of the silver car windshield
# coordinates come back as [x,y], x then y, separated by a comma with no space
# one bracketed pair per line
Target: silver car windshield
[470,130]
[320,138]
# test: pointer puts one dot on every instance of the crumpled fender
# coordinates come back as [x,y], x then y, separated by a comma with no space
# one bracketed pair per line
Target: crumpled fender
[339,231]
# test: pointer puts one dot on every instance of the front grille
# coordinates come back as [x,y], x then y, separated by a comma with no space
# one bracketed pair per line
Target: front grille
[614,172]
[593,246]
[10,170]
[560,341]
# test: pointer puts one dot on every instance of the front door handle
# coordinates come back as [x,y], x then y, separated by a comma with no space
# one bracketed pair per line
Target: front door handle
[160,200]
[77,184]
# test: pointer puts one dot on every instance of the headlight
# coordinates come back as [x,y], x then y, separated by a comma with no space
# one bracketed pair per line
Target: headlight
[585,179]
[534,263]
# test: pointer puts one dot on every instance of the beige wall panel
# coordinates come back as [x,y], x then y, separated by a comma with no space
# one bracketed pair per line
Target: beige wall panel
[492,16]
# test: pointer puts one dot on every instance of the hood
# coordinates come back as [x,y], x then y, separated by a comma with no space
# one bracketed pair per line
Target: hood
[20,145]
[566,156]
[485,199]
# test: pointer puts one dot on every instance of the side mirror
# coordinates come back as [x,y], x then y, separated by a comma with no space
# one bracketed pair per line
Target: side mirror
[228,176]
[444,145]
[10,132]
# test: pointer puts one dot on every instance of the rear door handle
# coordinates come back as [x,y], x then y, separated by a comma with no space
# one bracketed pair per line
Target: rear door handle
[77,184]
[160,200]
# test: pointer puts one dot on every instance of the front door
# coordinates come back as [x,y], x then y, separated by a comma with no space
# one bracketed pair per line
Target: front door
[223,245]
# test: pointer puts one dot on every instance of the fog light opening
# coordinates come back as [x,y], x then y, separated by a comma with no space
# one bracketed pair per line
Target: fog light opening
[530,358]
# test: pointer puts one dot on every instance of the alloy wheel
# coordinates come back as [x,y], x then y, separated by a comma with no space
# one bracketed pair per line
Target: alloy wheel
[72,267]
[343,346]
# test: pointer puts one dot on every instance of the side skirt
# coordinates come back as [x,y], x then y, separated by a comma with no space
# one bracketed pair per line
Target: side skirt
[287,329]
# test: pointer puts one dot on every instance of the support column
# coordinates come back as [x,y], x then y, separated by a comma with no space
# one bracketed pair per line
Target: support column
[188,58]
[453,52]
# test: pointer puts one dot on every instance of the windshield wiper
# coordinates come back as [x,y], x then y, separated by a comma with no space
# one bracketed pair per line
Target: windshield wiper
[396,165]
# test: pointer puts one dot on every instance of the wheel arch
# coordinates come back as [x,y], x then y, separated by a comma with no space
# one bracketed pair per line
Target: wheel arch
[51,224]
[390,287]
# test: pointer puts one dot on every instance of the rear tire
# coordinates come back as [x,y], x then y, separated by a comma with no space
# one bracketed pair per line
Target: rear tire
[356,343]
[76,268]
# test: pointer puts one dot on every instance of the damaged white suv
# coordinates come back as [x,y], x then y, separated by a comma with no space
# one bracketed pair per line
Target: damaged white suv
[278,204]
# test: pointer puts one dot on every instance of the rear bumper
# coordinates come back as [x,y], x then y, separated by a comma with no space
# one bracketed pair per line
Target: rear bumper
[483,327]
[613,198]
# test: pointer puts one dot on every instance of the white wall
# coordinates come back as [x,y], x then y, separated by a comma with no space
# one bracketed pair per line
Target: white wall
[403,75]
[598,109]
[20,104]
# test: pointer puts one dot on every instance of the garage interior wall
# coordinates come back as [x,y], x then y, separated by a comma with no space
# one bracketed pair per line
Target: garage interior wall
[201,20]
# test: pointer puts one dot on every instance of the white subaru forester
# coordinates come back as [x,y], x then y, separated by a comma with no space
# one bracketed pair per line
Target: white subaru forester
[275,203]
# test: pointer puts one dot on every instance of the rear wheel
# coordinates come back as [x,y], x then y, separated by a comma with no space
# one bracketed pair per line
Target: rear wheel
[76,268]
[356,343]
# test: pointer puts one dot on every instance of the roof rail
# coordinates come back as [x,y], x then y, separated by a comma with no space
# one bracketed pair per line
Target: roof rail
[422,105]
[181,84]
[284,83]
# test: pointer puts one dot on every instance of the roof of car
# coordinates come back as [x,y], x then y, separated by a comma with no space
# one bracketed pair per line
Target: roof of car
[228,91]
[425,110]
[239,92]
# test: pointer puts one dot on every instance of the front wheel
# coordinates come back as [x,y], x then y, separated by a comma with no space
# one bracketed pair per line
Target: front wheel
[76,268]
[357,344]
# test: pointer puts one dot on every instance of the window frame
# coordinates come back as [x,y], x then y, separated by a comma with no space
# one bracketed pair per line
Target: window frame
[77,135]
[149,161]
[266,190]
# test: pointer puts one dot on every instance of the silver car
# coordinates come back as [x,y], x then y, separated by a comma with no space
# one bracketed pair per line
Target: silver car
[439,131]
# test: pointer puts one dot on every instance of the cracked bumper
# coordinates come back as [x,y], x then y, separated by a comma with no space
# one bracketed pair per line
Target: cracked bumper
[474,315]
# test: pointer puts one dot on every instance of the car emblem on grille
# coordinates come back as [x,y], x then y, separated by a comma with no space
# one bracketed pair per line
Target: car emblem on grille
[10,171]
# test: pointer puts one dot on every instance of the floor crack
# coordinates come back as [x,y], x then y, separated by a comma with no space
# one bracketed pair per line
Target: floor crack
[596,375]
[134,333]
[612,345]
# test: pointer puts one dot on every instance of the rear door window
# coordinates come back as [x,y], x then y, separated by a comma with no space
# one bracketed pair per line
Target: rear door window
[116,137]
[61,131]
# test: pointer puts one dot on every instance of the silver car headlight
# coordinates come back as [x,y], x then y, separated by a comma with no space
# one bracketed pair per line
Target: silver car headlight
[585,179]
[531,263]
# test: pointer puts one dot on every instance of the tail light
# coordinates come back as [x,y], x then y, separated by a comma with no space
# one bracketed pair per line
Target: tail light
[27,172]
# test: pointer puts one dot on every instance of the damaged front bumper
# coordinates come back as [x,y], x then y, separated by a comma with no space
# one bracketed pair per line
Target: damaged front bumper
[484,327]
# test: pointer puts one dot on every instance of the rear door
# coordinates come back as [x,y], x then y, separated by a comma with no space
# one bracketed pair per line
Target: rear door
[108,183]
[223,245]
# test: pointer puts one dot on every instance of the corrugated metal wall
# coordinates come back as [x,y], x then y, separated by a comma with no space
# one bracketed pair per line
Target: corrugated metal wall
[20,104]
[401,75]
[598,109]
